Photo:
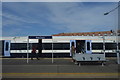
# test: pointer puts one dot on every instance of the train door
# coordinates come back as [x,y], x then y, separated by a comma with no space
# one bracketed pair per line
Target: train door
[88,46]
[80,46]
[6,48]
[72,43]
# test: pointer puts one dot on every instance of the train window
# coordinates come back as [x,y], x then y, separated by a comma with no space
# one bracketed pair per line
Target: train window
[46,46]
[36,45]
[88,46]
[110,46]
[57,46]
[66,46]
[7,46]
[18,46]
[97,46]
[61,46]
[73,44]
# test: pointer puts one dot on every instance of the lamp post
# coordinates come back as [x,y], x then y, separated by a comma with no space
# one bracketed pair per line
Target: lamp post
[52,51]
[103,37]
[116,34]
[27,49]
[111,10]
[104,44]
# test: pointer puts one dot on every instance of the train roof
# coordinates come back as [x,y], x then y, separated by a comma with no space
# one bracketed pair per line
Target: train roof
[62,39]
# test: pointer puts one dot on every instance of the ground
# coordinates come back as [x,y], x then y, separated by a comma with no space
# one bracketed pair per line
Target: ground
[60,68]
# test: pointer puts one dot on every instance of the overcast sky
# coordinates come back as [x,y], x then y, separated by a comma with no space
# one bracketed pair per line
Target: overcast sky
[47,18]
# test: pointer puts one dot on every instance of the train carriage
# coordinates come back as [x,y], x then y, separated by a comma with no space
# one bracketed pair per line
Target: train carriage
[61,45]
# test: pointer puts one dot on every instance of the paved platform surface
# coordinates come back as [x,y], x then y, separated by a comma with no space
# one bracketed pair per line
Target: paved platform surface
[61,68]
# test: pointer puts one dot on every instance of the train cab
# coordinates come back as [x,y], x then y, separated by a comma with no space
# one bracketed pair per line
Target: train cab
[5,48]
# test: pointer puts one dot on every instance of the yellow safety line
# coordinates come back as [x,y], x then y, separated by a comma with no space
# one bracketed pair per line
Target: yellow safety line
[62,74]
[67,73]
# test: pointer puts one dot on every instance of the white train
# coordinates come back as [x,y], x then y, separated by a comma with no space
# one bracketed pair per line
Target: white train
[59,45]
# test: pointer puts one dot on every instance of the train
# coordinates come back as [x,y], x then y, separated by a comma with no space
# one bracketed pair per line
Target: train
[18,47]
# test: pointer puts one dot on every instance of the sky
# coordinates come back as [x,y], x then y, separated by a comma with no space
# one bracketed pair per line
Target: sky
[48,18]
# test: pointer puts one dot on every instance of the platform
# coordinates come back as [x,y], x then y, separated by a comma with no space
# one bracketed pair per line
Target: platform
[61,68]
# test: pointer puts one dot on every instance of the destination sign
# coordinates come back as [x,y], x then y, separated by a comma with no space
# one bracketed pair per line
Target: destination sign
[40,37]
